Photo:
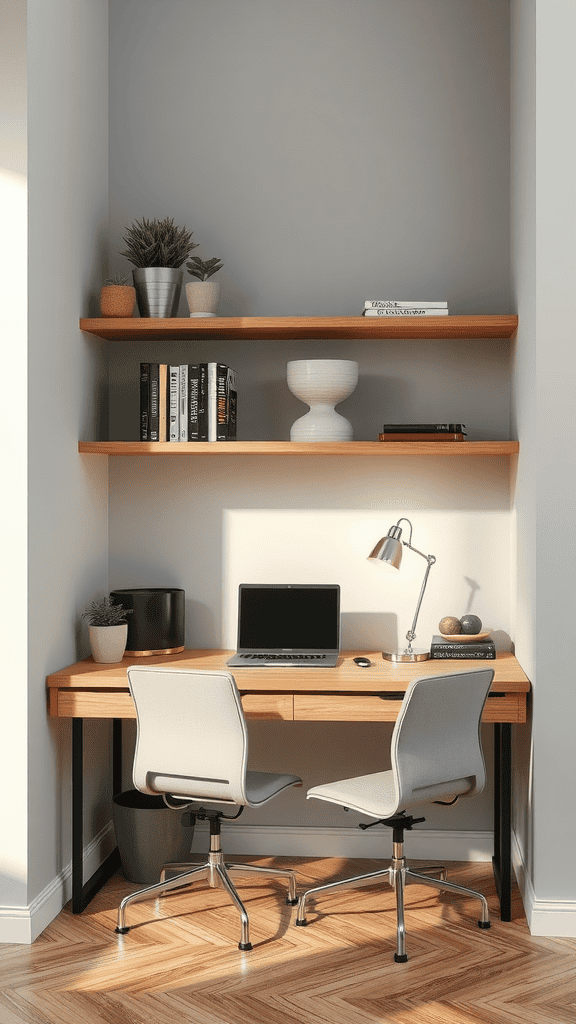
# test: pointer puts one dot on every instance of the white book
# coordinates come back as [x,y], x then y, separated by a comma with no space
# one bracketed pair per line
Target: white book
[174,404]
[406,312]
[393,304]
[183,405]
[212,400]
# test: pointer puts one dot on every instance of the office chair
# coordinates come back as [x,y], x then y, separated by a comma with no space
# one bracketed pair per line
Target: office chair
[436,758]
[191,746]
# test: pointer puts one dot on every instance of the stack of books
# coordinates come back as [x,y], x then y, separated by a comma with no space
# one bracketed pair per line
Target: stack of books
[187,402]
[390,307]
[440,648]
[422,432]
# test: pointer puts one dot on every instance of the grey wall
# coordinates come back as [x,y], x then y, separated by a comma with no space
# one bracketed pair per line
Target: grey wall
[544,264]
[327,153]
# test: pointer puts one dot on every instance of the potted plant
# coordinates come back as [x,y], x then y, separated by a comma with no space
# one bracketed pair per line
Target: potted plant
[107,629]
[203,295]
[117,297]
[157,248]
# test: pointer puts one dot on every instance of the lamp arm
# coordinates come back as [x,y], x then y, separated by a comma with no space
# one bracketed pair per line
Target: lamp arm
[411,634]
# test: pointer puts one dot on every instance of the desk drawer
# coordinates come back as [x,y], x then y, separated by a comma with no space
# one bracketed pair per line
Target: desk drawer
[510,707]
[269,706]
[344,708]
[95,704]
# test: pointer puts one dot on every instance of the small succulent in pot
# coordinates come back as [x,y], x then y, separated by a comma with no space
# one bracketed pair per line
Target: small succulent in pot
[106,613]
[117,297]
[203,269]
[118,280]
[157,243]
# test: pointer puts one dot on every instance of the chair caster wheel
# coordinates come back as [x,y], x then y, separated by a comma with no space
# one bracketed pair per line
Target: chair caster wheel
[483,924]
[400,958]
[244,945]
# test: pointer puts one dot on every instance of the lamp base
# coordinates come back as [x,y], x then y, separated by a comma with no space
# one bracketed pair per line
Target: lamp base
[407,654]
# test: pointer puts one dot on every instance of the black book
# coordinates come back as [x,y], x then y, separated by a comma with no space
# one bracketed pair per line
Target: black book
[462,654]
[144,401]
[225,403]
[232,399]
[154,402]
[193,384]
[203,402]
[441,648]
[221,410]
[424,428]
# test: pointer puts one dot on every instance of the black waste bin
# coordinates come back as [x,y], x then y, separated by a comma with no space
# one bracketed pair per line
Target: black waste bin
[149,834]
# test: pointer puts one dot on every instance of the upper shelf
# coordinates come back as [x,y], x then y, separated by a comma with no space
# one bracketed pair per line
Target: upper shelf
[281,328]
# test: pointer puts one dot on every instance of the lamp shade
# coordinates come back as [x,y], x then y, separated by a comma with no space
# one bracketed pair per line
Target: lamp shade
[389,549]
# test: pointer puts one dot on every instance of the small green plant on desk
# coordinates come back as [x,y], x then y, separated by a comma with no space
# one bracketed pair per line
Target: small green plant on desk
[106,613]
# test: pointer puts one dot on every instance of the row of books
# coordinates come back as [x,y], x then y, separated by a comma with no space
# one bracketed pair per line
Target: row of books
[475,650]
[187,402]
[423,432]
[390,307]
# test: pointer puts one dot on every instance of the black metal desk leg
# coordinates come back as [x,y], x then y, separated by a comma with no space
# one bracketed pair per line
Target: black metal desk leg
[503,816]
[82,892]
[77,814]
[116,756]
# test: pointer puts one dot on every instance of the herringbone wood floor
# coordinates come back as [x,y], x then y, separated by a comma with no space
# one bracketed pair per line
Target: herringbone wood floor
[180,963]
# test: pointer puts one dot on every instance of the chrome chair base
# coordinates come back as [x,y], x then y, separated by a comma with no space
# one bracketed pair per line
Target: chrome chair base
[217,874]
[398,875]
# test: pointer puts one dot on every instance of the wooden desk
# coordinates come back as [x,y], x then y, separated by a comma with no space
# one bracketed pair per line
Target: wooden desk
[342,694]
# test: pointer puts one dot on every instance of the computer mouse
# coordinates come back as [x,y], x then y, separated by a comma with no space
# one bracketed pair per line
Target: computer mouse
[362,662]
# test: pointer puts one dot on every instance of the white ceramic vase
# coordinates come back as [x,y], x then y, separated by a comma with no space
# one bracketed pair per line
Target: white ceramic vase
[203,297]
[322,384]
[108,643]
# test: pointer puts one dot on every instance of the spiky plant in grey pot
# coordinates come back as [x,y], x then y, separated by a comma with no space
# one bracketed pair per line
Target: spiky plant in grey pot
[157,249]
[203,295]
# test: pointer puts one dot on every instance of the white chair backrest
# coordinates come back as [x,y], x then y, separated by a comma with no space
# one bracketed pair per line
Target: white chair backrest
[192,740]
[436,748]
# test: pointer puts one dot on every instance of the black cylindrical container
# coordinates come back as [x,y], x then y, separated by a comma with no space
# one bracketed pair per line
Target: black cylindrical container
[156,625]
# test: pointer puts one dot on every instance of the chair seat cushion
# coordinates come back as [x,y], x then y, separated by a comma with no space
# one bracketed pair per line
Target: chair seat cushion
[376,794]
[262,786]
[369,794]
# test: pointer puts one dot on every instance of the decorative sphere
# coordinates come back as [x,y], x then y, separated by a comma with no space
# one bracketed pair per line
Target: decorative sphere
[470,624]
[449,625]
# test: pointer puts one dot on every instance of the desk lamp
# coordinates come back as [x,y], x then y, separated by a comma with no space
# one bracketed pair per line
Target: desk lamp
[389,551]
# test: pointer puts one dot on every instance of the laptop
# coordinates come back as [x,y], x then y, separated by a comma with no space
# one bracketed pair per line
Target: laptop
[292,624]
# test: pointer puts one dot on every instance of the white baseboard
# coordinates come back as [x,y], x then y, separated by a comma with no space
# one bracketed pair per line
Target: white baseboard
[25,923]
[550,918]
[302,841]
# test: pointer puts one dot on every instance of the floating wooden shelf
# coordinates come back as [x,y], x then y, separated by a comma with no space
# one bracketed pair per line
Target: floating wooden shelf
[281,328]
[457,449]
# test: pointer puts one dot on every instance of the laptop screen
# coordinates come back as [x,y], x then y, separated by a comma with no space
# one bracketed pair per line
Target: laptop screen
[288,617]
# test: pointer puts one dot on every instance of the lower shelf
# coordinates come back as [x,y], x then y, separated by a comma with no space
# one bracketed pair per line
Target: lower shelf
[457,449]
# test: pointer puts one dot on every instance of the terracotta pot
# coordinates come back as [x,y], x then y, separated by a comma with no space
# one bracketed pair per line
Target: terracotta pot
[117,300]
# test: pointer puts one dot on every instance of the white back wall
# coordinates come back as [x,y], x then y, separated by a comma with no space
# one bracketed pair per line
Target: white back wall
[209,524]
[328,153]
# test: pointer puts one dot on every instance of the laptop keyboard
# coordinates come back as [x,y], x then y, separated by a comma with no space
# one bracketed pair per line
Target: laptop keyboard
[284,657]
